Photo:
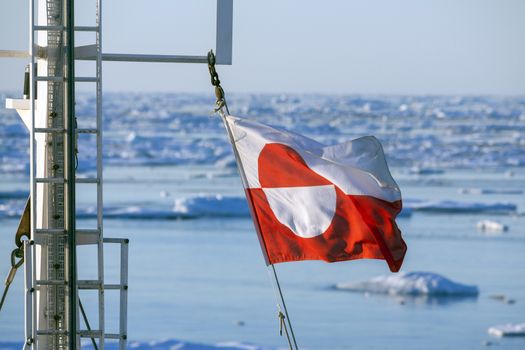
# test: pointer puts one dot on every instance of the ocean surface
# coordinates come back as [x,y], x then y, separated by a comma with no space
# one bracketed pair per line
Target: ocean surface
[197,279]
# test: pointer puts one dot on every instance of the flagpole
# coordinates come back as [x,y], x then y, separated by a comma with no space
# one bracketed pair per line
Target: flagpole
[273,274]
[280,301]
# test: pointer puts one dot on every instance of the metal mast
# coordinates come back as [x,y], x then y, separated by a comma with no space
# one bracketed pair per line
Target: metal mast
[71,175]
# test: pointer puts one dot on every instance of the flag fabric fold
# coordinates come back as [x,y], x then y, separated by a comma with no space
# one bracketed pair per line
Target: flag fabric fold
[315,202]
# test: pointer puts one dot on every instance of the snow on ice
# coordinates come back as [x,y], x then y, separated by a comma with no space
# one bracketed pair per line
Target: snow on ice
[411,284]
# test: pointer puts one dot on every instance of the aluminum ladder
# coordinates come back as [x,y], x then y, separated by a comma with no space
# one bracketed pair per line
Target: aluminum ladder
[47,288]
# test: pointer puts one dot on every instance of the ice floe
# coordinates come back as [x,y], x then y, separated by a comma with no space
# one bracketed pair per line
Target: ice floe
[411,284]
[166,344]
[490,226]
[508,330]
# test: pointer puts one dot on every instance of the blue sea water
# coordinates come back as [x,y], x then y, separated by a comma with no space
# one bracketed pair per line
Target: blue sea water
[203,280]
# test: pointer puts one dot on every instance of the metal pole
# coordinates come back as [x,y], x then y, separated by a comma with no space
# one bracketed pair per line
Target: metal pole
[31,317]
[100,205]
[124,247]
[70,151]
[29,293]
[280,298]
[275,281]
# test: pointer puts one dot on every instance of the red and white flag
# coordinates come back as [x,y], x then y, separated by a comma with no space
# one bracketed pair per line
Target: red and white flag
[316,202]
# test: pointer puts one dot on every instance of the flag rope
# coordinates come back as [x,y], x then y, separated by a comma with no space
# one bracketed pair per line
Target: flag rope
[283,319]
[221,107]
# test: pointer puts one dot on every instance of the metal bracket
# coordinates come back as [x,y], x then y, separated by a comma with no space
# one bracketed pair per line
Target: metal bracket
[223,46]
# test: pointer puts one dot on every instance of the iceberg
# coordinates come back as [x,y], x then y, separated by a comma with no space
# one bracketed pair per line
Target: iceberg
[411,284]
[508,330]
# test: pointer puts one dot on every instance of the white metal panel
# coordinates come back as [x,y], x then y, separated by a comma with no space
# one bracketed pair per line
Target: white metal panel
[223,44]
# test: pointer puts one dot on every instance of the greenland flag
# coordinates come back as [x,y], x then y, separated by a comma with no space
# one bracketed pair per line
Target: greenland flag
[316,202]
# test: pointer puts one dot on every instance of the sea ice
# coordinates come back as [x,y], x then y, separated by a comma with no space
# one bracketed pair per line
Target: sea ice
[174,129]
[411,284]
[508,330]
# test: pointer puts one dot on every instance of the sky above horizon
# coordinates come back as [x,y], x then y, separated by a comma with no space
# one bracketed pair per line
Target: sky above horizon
[292,46]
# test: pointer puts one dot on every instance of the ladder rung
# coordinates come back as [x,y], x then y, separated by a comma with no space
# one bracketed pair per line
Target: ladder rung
[86,79]
[52,332]
[89,284]
[112,336]
[50,231]
[96,284]
[51,282]
[55,79]
[87,131]
[87,180]
[90,334]
[57,231]
[113,286]
[116,240]
[49,27]
[87,28]
[50,180]
[49,130]
[81,333]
